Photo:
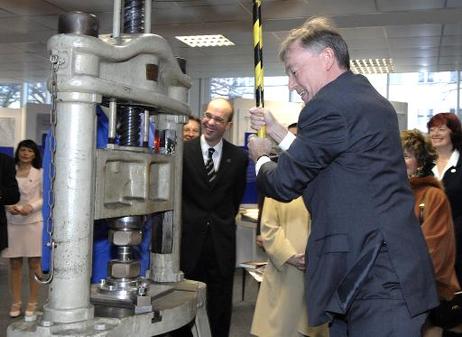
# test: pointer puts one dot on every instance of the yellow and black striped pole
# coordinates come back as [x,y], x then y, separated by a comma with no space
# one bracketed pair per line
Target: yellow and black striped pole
[258,58]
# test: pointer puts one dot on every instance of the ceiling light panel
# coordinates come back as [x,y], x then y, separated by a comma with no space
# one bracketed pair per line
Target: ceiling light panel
[205,40]
[372,66]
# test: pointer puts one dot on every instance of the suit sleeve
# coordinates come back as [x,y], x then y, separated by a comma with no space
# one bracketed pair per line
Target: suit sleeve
[277,246]
[241,182]
[321,138]
[9,191]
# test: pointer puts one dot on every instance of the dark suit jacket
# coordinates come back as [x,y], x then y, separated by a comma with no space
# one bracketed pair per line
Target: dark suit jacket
[211,205]
[452,181]
[9,194]
[348,164]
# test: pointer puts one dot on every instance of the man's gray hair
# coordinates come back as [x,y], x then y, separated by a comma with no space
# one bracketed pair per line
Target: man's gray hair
[316,34]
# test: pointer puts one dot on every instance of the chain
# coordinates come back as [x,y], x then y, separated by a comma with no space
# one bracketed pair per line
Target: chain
[55,63]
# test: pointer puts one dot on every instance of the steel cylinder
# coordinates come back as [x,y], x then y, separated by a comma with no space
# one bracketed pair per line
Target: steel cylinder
[78,23]
[73,210]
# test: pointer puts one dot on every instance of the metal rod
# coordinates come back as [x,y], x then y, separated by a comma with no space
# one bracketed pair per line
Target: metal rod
[112,120]
[116,18]
[146,128]
[258,58]
[147,16]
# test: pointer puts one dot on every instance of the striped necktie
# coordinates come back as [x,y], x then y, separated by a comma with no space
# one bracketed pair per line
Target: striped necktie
[209,168]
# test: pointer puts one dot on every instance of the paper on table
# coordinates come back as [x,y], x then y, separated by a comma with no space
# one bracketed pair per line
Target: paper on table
[257,274]
[255,269]
[252,264]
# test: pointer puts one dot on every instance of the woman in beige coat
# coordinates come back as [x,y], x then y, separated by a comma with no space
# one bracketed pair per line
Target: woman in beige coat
[281,307]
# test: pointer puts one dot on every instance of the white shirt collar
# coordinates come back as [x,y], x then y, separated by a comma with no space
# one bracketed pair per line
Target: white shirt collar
[452,162]
[205,147]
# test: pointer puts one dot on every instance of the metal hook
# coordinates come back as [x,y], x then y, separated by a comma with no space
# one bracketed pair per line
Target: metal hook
[47,277]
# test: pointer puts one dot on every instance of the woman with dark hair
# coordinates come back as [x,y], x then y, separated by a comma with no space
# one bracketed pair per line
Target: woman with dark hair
[25,226]
[445,133]
[434,213]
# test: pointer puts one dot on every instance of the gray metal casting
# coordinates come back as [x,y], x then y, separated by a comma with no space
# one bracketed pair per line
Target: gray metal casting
[73,211]
[116,182]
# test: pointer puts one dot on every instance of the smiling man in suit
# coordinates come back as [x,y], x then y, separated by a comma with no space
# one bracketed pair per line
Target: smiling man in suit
[368,269]
[214,178]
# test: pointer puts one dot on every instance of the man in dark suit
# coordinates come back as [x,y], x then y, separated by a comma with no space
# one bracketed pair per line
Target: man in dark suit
[368,270]
[213,186]
[9,194]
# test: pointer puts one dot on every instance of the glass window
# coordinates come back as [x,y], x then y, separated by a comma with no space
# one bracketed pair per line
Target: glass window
[425,93]
[277,93]
[275,88]
[37,93]
[379,82]
[10,95]
[232,87]
[460,96]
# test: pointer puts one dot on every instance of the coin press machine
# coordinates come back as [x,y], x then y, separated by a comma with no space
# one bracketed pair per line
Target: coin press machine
[135,75]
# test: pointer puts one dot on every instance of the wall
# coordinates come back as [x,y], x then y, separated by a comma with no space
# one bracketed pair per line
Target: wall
[199,95]
[401,110]
[12,129]
[37,121]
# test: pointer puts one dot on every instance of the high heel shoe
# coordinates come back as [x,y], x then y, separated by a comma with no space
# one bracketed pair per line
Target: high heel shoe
[31,309]
[15,310]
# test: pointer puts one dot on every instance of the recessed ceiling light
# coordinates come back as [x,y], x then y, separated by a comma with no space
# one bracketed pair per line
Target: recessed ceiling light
[205,40]
[372,66]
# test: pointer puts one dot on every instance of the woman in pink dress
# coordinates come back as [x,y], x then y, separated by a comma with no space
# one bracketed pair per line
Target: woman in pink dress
[25,226]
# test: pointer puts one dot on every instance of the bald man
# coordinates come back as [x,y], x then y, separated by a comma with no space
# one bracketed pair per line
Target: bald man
[214,178]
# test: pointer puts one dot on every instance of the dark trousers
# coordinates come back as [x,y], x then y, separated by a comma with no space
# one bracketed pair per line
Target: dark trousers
[378,309]
[219,292]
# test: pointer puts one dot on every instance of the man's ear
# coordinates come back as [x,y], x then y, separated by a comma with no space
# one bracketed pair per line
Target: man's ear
[328,58]
[228,125]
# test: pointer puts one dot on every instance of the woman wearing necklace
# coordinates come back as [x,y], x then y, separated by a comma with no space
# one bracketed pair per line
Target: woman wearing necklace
[445,133]
[25,226]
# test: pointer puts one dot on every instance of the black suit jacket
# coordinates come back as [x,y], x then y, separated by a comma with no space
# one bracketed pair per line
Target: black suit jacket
[452,181]
[9,194]
[348,164]
[211,206]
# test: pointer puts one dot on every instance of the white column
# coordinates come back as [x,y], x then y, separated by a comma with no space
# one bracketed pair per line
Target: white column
[73,212]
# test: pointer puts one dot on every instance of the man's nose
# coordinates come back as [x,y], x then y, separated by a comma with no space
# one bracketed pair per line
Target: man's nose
[292,84]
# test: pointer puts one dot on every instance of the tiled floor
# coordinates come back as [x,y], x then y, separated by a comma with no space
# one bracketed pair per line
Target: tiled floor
[240,324]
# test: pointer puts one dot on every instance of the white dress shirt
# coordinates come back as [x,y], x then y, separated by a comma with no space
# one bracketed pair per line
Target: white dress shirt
[216,156]
[283,145]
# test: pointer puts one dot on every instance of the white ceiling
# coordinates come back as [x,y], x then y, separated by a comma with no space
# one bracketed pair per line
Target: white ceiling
[416,34]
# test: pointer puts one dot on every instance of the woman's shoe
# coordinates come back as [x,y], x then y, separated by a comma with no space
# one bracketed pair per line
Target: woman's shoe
[15,310]
[31,309]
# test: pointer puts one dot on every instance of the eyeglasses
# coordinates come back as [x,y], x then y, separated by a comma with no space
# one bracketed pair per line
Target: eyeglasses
[217,119]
